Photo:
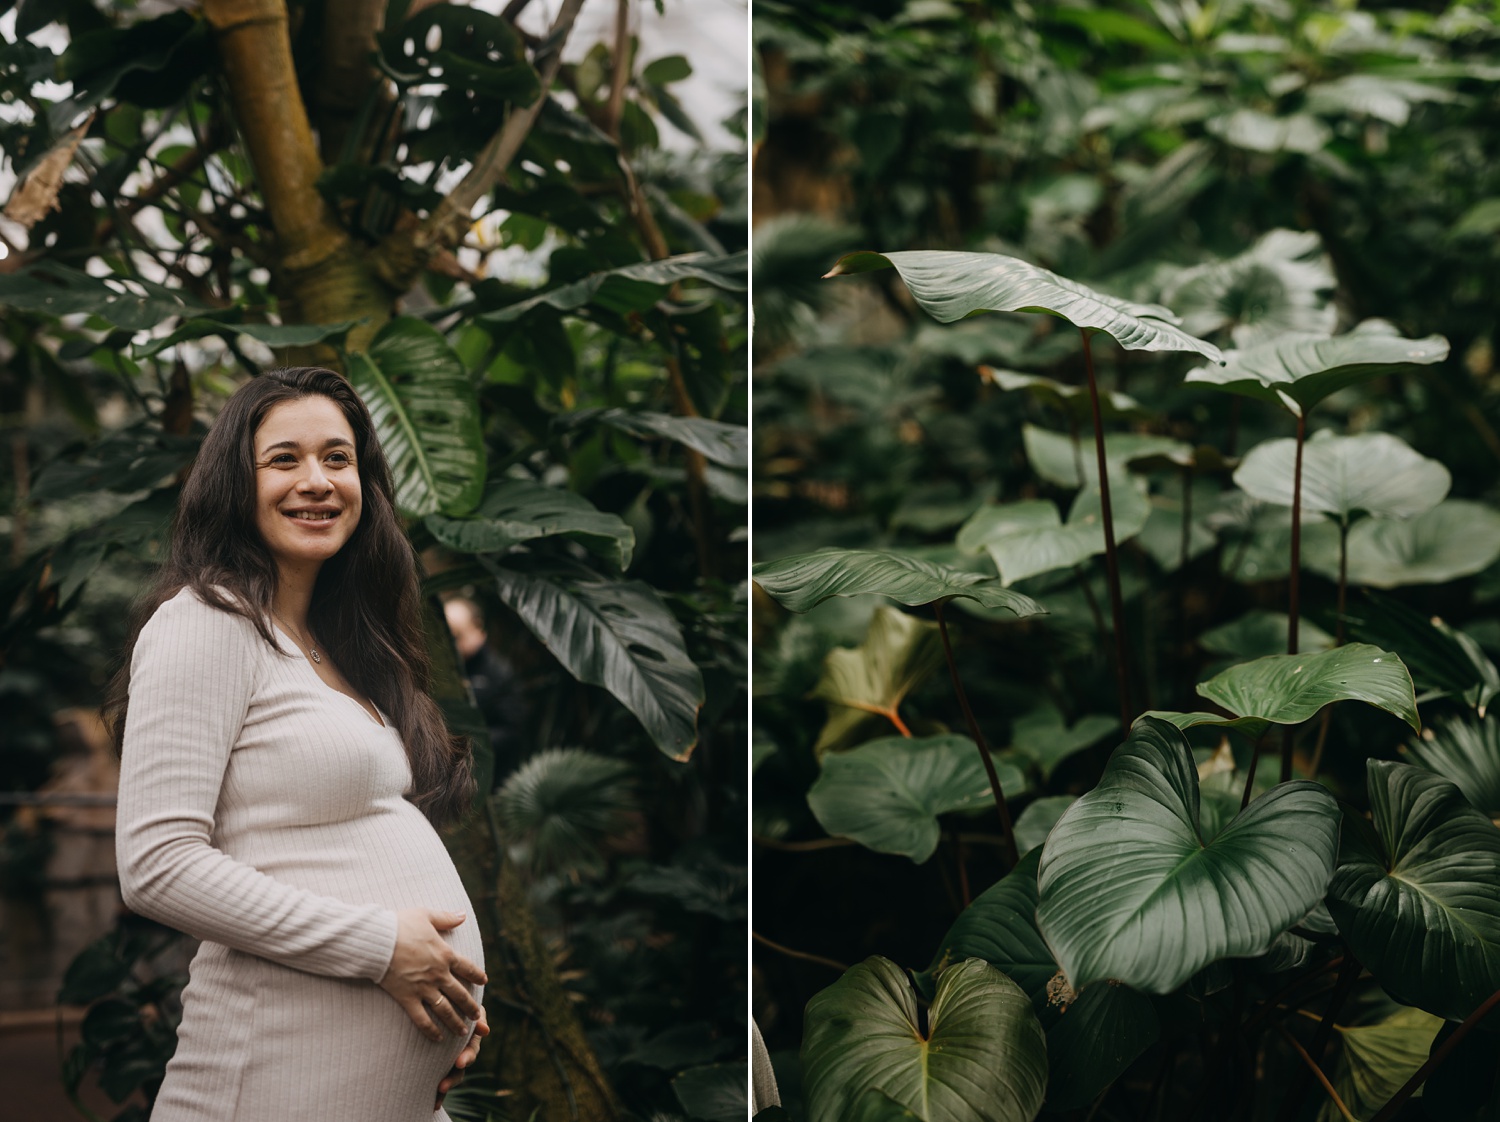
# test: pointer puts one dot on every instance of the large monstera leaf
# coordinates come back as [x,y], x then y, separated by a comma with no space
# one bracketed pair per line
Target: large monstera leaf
[426,415]
[1414,894]
[1373,472]
[982,1058]
[615,634]
[952,285]
[1298,371]
[802,582]
[1128,890]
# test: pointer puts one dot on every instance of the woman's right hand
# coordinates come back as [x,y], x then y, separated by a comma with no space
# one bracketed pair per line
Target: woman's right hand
[427,977]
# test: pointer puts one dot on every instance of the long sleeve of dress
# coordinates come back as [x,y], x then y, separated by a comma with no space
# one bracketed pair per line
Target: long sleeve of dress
[191,680]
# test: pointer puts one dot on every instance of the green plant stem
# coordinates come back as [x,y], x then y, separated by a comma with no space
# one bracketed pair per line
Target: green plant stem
[1093,603]
[1294,581]
[1409,1088]
[1348,974]
[1009,836]
[1111,554]
[1250,773]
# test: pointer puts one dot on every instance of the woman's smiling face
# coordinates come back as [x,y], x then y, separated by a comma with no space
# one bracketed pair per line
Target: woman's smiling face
[307,488]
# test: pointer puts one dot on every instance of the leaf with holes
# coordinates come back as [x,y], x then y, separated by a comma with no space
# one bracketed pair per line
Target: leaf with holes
[951,285]
[982,1058]
[615,634]
[887,794]
[1128,889]
[1414,895]
[426,415]
[518,510]
[1289,689]
[804,581]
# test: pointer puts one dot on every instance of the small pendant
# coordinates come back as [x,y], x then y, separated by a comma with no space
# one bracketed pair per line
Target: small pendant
[314,652]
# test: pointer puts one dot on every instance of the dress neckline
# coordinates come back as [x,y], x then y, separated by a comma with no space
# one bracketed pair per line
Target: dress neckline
[378,719]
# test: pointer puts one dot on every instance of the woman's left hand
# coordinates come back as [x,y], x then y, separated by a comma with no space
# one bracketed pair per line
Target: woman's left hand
[470,1053]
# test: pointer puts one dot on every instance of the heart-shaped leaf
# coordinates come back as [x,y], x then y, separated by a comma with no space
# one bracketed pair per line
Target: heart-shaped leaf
[1128,890]
[1373,472]
[1258,633]
[1298,371]
[1289,689]
[865,685]
[1376,1059]
[1414,894]
[1038,819]
[1058,459]
[1028,538]
[1042,737]
[887,794]
[982,1058]
[952,285]
[1456,538]
[1466,752]
[804,581]
[615,634]
[518,510]
[426,415]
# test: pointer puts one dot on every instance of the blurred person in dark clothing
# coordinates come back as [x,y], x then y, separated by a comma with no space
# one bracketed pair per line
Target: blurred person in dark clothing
[496,691]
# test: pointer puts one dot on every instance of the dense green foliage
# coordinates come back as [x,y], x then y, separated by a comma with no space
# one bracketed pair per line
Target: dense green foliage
[558,380]
[1266,231]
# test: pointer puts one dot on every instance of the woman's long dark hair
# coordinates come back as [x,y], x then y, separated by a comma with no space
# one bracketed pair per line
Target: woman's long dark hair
[366,604]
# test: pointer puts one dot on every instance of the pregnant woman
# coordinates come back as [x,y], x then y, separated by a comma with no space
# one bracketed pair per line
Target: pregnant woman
[281,771]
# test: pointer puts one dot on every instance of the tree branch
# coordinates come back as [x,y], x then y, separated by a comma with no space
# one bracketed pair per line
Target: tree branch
[401,256]
[621,72]
[349,30]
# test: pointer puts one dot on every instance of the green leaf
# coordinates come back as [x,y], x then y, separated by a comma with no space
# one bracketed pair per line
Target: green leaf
[1289,689]
[1095,1040]
[1173,904]
[1376,1060]
[518,510]
[1456,538]
[1259,632]
[670,68]
[722,443]
[1442,659]
[1042,737]
[1072,400]
[426,416]
[52,289]
[887,794]
[1465,751]
[1038,819]
[862,684]
[804,581]
[1056,458]
[715,1092]
[1030,537]
[560,807]
[1373,472]
[1298,371]
[1414,894]
[1251,727]
[632,288]
[1255,131]
[950,286]
[982,1059]
[461,48]
[615,634]
[271,334]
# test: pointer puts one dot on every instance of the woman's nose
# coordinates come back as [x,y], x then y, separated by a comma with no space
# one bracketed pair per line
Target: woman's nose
[312,479]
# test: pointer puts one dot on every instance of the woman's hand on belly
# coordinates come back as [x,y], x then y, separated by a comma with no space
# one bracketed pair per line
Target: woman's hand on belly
[465,1058]
[427,977]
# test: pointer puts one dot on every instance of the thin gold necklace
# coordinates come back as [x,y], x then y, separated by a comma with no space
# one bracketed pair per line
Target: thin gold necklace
[312,651]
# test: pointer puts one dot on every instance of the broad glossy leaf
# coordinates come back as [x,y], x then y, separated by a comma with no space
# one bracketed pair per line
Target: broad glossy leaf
[715,1092]
[951,285]
[1038,819]
[983,1058]
[1456,538]
[1375,1060]
[1466,752]
[1373,472]
[1289,689]
[519,510]
[1259,632]
[1414,894]
[426,415]
[1298,371]
[615,634]
[887,794]
[1042,737]
[802,582]
[1054,456]
[1128,890]
[632,288]
[722,443]
[133,459]
[1030,537]
[1072,400]
[1251,727]
[271,334]
[1094,1041]
[1255,131]
[862,683]
[52,289]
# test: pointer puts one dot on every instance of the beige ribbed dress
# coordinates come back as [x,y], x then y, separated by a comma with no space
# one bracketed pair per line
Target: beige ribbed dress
[261,811]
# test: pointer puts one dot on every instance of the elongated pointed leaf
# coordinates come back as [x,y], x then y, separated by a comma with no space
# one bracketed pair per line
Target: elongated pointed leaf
[722,443]
[1456,538]
[615,634]
[804,581]
[633,288]
[271,334]
[426,415]
[1289,689]
[861,684]
[1414,894]
[1298,371]
[950,286]
[1128,890]
[1465,752]
[983,1058]
[1373,472]
[518,510]
[887,794]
